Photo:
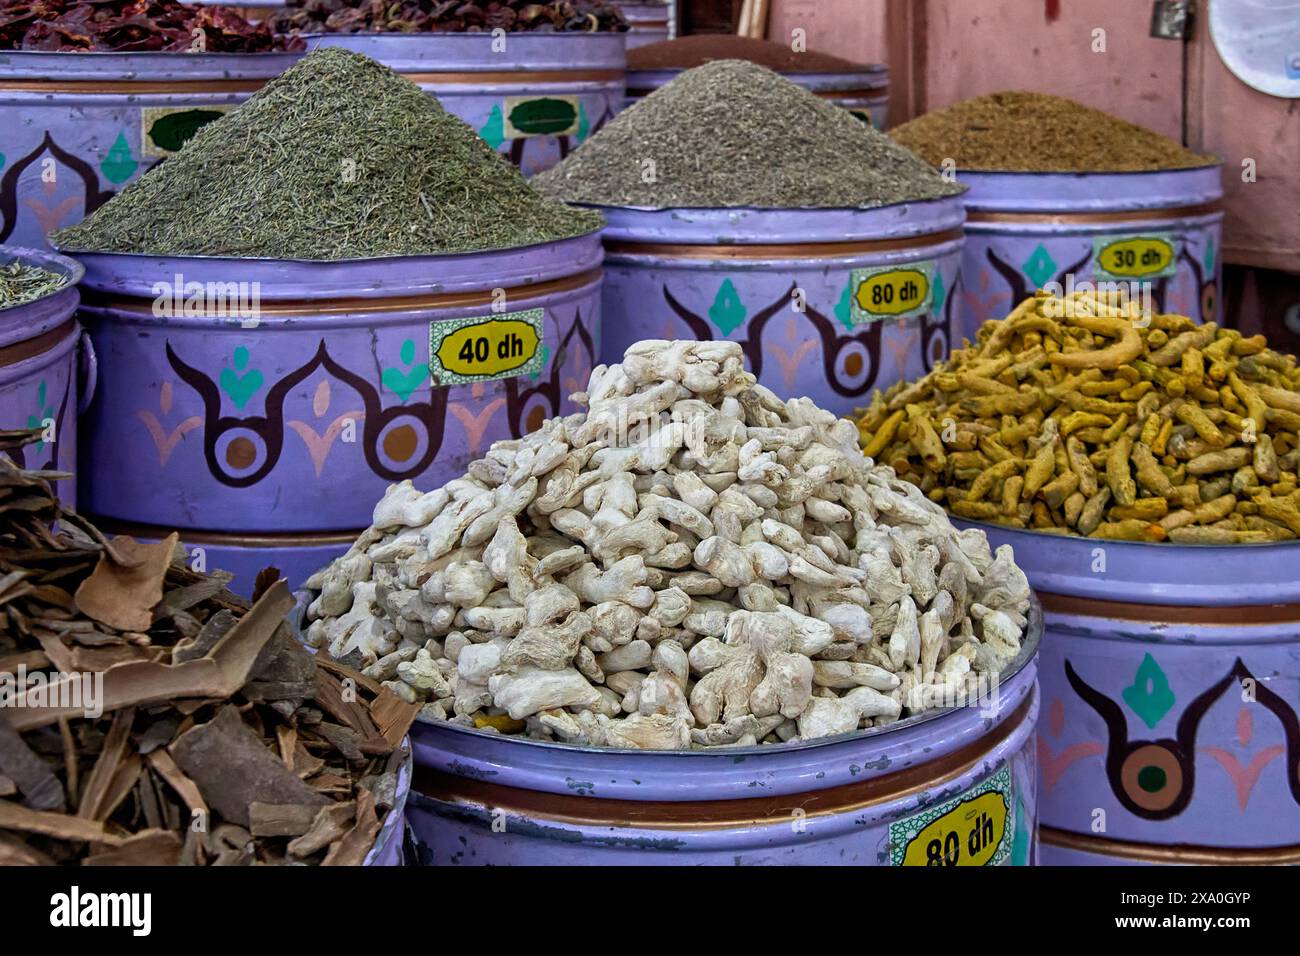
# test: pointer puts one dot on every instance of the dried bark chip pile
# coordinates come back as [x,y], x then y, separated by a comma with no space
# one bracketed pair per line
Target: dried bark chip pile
[150,716]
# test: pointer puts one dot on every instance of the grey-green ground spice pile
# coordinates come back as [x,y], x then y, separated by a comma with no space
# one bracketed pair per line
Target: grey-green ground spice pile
[1035,132]
[336,158]
[732,133]
[21,283]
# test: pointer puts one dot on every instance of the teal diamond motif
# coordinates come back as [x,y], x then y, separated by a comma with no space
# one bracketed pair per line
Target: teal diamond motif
[844,307]
[939,293]
[1149,695]
[727,310]
[1209,258]
[1040,267]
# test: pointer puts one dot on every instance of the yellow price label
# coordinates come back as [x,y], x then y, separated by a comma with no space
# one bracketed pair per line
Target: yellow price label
[490,347]
[893,292]
[969,834]
[1142,257]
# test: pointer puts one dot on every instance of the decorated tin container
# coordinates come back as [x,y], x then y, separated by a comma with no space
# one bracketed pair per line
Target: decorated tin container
[950,787]
[1170,678]
[647,23]
[80,126]
[801,290]
[532,96]
[268,418]
[39,380]
[865,92]
[1157,234]
[390,844]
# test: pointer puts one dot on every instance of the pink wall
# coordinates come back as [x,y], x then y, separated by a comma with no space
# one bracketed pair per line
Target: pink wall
[981,46]
[853,29]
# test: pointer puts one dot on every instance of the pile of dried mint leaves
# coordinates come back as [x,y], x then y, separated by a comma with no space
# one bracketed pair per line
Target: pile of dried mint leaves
[21,283]
[131,26]
[1035,132]
[219,739]
[446,16]
[336,158]
[732,133]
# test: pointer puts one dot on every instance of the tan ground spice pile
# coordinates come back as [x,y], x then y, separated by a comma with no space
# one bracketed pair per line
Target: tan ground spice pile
[687,52]
[1035,132]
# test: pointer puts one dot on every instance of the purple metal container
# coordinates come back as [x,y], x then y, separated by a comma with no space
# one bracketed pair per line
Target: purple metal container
[390,845]
[1170,676]
[532,96]
[80,126]
[865,92]
[647,22]
[744,274]
[266,427]
[879,797]
[1025,231]
[39,382]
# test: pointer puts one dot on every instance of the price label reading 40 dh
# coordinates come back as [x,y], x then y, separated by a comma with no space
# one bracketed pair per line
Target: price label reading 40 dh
[486,347]
[969,830]
[892,292]
[1136,257]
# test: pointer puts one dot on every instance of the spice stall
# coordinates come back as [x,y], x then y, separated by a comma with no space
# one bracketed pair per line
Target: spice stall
[499,440]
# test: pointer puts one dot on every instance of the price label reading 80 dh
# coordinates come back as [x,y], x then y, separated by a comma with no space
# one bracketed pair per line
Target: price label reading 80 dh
[894,292]
[970,830]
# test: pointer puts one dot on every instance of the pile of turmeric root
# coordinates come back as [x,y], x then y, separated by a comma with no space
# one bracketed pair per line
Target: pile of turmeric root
[1085,415]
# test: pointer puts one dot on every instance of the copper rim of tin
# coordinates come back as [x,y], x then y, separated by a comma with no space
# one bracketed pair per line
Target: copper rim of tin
[466,78]
[719,814]
[140,306]
[1157,853]
[788,250]
[1169,613]
[31,348]
[1076,218]
[228,539]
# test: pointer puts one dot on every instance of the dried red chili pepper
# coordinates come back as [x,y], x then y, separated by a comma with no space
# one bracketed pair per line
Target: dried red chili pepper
[449,16]
[127,26]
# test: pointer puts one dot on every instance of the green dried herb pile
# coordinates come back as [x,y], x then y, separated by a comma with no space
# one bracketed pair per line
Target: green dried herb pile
[732,133]
[21,283]
[336,158]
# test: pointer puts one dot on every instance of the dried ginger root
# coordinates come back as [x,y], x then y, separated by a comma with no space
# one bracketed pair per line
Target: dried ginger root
[1096,420]
[690,562]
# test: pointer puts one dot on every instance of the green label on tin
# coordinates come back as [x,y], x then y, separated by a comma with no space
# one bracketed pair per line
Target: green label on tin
[540,116]
[973,829]
[485,347]
[1135,257]
[166,129]
[891,292]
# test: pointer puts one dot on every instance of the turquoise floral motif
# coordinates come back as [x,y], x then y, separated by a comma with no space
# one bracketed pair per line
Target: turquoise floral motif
[38,420]
[119,165]
[1023,838]
[844,307]
[404,383]
[938,293]
[494,130]
[240,388]
[727,311]
[2,160]
[1149,696]
[1209,258]
[546,361]
[1040,266]
[584,125]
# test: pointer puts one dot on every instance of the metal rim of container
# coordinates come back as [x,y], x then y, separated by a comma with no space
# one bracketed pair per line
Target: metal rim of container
[386,277]
[705,228]
[1028,649]
[1027,195]
[728,812]
[1184,854]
